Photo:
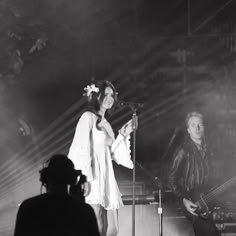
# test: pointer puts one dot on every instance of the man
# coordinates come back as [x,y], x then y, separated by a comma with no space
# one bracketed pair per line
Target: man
[56,213]
[190,172]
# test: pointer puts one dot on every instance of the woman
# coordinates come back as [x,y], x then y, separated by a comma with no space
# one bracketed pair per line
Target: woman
[92,150]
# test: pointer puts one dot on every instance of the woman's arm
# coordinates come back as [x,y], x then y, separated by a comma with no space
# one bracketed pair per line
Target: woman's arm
[120,148]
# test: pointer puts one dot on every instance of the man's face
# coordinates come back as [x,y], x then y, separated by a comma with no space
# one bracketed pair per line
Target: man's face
[195,128]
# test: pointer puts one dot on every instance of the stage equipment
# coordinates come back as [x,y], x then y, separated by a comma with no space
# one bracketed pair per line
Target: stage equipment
[134,107]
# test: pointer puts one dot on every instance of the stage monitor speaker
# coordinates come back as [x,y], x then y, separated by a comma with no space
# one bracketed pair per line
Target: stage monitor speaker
[147,222]
[227,228]
[228,234]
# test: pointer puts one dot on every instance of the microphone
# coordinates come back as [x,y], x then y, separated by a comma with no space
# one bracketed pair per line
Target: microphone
[176,131]
[130,104]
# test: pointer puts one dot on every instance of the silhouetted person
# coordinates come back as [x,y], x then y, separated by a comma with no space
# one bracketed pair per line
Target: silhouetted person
[56,213]
[78,190]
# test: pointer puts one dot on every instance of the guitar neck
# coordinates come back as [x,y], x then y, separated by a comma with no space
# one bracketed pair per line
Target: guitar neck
[217,191]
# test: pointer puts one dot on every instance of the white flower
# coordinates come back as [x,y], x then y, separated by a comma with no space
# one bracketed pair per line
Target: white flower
[91,88]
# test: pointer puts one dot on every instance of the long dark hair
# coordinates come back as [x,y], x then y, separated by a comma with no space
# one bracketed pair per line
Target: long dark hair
[96,98]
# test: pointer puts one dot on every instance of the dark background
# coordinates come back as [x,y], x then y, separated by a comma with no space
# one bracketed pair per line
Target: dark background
[172,56]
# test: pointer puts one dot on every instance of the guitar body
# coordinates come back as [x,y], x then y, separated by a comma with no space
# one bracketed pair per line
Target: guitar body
[204,208]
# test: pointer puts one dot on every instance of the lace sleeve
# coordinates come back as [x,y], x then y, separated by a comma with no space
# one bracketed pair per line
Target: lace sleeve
[80,149]
[120,150]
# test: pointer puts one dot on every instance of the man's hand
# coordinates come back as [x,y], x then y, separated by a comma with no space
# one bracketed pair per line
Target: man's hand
[190,206]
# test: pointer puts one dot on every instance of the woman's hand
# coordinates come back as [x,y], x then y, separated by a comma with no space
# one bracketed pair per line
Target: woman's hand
[126,129]
[190,206]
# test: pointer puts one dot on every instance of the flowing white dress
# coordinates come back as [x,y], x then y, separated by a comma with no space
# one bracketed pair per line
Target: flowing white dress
[92,151]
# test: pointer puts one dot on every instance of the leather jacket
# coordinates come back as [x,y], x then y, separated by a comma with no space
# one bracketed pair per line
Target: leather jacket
[189,169]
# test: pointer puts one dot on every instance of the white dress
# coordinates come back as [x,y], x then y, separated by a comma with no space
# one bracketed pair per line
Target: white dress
[92,151]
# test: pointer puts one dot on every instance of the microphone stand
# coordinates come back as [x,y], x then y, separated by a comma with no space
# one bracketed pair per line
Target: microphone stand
[160,210]
[158,183]
[135,127]
[134,107]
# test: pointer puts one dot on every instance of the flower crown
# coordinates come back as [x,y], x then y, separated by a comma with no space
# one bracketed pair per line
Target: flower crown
[89,89]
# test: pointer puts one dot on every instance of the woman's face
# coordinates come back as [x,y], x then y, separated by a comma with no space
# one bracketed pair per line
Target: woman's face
[108,100]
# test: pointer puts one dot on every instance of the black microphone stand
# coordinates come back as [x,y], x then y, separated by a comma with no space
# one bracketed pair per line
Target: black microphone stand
[134,107]
[160,211]
[135,127]
[159,185]
[158,182]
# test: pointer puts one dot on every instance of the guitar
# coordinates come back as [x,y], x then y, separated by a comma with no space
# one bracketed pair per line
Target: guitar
[204,200]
